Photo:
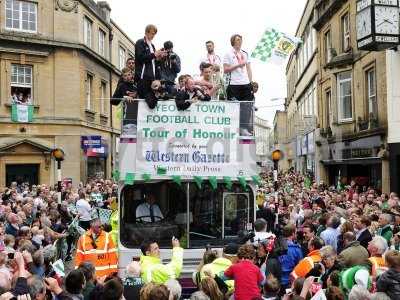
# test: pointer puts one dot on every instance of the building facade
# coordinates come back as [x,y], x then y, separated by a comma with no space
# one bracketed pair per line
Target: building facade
[64,58]
[262,133]
[352,115]
[301,103]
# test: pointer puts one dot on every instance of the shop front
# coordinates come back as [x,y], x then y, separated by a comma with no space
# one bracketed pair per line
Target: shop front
[96,153]
[356,160]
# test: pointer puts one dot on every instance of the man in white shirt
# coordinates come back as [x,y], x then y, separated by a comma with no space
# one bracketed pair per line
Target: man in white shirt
[239,77]
[149,212]
[85,211]
[211,57]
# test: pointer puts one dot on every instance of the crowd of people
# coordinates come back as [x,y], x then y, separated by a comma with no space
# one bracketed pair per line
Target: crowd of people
[310,241]
[153,75]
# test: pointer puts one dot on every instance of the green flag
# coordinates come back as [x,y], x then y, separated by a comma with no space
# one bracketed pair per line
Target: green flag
[177,179]
[242,181]
[256,179]
[198,180]
[116,175]
[275,45]
[307,182]
[228,182]
[22,113]
[129,178]
[161,170]
[213,182]
[146,177]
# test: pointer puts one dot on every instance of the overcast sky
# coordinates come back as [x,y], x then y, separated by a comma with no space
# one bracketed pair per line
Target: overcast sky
[190,23]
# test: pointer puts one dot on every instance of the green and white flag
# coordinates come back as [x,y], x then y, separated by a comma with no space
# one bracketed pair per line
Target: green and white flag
[22,113]
[58,267]
[275,46]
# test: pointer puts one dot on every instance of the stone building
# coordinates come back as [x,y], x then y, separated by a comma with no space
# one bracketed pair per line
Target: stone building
[262,132]
[352,102]
[63,57]
[301,104]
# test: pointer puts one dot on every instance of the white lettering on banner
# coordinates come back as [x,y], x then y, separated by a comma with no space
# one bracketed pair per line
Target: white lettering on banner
[201,141]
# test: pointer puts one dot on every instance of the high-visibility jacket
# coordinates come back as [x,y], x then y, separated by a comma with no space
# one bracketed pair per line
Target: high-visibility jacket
[100,252]
[306,264]
[153,270]
[218,267]
[378,266]
[114,226]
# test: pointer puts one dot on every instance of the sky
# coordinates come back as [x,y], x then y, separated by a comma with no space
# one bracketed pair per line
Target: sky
[189,24]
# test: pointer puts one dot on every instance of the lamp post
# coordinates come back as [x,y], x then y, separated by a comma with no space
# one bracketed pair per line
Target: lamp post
[276,155]
[58,155]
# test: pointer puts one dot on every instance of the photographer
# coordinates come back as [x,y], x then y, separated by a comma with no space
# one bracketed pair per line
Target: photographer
[159,91]
[170,66]
[191,94]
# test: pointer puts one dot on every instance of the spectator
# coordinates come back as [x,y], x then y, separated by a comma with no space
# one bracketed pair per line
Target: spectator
[75,283]
[152,268]
[209,287]
[13,225]
[84,210]
[307,264]
[389,282]
[345,227]
[385,229]
[113,290]
[353,253]
[309,233]
[159,292]
[363,234]
[271,288]
[145,291]
[238,70]
[291,259]
[376,248]
[132,282]
[89,271]
[330,234]
[175,289]
[328,259]
[246,275]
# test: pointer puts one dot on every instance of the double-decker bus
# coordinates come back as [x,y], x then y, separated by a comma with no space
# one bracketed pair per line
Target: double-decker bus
[198,168]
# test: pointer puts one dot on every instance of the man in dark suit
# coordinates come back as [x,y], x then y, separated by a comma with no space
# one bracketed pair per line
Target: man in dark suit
[363,235]
[147,61]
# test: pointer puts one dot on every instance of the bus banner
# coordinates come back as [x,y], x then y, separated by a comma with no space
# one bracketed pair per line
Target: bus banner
[201,141]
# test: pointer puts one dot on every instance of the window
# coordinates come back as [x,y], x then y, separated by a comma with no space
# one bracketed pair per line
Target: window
[122,57]
[87,32]
[103,94]
[371,94]
[346,32]
[21,84]
[21,15]
[327,46]
[89,85]
[328,106]
[102,39]
[345,110]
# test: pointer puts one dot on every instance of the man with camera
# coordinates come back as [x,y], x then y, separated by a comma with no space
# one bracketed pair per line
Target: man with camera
[170,66]
[191,94]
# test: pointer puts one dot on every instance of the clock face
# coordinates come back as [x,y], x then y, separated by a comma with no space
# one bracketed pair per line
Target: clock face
[363,23]
[387,20]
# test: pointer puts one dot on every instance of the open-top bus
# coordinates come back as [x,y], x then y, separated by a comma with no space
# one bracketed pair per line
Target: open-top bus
[198,167]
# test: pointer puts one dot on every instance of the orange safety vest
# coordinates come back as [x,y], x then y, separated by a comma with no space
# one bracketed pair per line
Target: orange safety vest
[306,264]
[378,265]
[103,256]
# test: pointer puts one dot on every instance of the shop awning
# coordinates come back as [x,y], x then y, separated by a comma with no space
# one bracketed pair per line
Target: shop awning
[353,161]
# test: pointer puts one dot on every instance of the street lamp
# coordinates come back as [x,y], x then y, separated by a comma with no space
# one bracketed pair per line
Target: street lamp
[276,156]
[58,155]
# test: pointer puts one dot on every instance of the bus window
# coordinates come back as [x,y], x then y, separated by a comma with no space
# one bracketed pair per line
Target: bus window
[236,214]
[168,217]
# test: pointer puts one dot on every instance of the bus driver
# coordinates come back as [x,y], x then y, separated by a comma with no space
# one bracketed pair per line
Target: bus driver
[149,211]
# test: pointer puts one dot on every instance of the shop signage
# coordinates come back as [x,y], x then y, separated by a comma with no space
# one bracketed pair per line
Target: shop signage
[90,141]
[357,153]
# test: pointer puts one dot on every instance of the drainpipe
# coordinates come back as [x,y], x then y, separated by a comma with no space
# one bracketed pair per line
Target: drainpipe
[110,39]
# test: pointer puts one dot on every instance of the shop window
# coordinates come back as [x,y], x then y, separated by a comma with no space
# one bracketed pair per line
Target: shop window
[21,84]
[21,15]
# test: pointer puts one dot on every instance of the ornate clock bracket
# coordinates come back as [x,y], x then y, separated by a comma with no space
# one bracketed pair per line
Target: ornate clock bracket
[67,5]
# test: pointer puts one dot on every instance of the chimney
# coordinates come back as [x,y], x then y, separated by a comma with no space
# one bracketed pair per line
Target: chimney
[105,9]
